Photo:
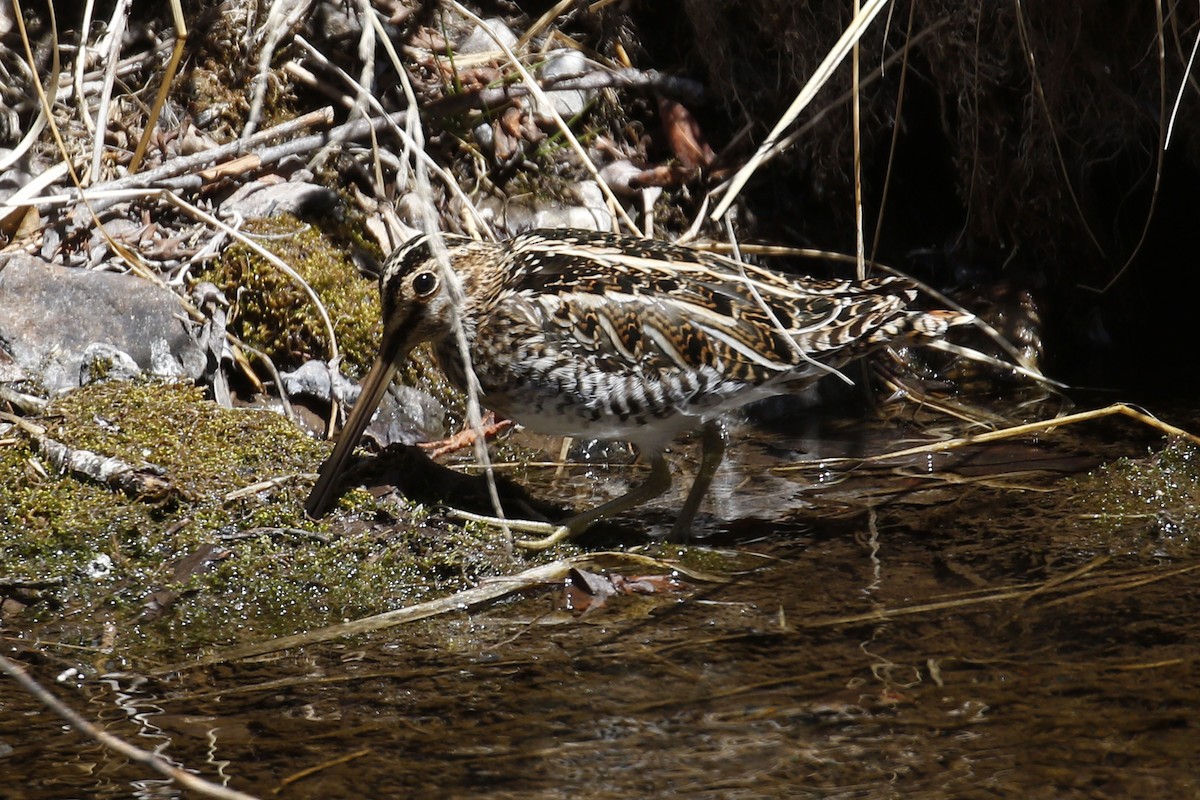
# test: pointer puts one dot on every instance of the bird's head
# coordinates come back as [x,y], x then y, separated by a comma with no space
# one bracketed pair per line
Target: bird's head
[417,296]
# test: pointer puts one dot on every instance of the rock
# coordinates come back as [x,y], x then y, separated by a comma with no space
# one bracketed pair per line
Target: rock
[12,180]
[315,379]
[565,64]
[478,40]
[507,217]
[406,415]
[591,212]
[262,199]
[621,176]
[10,370]
[101,362]
[50,316]
[485,136]
[580,206]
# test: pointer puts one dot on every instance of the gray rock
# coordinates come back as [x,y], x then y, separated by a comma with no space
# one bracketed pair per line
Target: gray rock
[12,180]
[591,212]
[485,137]
[507,216]
[260,199]
[50,316]
[10,370]
[102,362]
[316,379]
[406,415]
[565,63]
[478,40]
[620,177]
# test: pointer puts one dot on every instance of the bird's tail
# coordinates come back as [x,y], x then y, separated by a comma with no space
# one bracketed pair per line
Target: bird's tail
[929,328]
[931,324]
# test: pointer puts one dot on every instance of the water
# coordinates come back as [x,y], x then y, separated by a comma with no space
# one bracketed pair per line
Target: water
[993,628]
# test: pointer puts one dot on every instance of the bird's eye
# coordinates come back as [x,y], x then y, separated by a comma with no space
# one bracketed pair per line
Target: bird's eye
[425,284]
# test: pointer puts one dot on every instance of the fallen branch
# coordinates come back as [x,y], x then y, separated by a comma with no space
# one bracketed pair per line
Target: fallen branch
[160,176]
[188,174]
[145,482]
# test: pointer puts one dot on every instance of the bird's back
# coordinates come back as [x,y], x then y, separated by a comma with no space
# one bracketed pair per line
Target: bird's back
[613,337]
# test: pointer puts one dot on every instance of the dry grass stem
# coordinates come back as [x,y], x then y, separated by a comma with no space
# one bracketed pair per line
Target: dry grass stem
[185,779]
[467,600]
[767,150]
[1007,433]
[164,89]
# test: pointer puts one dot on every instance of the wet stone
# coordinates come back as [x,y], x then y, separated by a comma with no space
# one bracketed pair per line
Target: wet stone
[406,414]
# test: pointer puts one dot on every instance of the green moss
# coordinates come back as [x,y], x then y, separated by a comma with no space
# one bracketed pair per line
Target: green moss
[271,312]
[231,564]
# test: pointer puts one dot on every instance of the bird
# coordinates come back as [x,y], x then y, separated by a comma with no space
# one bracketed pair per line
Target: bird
[613,337]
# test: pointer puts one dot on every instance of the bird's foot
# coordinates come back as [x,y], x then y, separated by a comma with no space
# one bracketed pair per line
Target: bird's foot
[489,425]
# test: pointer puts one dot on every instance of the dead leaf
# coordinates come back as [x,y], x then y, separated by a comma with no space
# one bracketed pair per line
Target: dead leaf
[684,134]
[588,591]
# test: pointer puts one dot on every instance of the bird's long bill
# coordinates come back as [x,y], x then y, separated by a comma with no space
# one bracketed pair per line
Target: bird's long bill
[323,492]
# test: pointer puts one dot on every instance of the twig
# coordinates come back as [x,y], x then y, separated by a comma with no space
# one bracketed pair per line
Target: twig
[164,89]
[269,364]
[313,770]
[45,104]
[878,615]
[1009,433]
[683,88]
[152,760]
[189,166]
[1039,92]
[141,482]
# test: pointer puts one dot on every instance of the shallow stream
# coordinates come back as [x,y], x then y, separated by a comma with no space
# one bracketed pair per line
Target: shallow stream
[994,627]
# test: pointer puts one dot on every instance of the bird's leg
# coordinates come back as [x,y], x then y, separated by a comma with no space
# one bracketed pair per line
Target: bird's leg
[712,450]
[655,484]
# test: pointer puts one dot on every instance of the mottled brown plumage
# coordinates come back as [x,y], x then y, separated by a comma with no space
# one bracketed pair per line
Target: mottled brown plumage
[604,336]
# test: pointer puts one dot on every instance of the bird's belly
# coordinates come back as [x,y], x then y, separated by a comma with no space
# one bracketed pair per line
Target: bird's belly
[605,412]
[572,397]
[592,417]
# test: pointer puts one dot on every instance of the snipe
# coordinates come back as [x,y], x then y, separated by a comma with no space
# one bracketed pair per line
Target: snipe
[603,336]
